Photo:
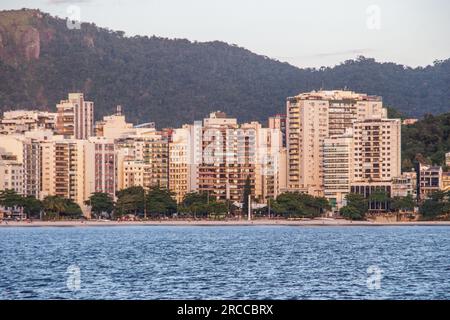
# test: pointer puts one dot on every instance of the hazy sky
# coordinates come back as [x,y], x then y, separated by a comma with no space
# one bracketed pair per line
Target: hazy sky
[304,33]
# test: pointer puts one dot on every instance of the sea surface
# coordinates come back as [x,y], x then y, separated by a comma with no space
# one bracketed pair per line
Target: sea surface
[232,262]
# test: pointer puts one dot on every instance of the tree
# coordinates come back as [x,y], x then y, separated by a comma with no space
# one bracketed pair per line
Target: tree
[356,207]
[436,205]
[54,205]
[130,201]
[351,213]
[72,210]
[295,204]
[247,193]
[100,203]
[32,207]
[402,203]
[9,198]
[160,201]
[217,209]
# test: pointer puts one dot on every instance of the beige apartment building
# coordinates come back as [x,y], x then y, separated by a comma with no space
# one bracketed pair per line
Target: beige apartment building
[11,173]
[114,126]
[75,117]
[64,169]
[377,157]
[21,121]
[101,165]
[182,170]
[311,118]
[143,160]
[230,153]
[338,167]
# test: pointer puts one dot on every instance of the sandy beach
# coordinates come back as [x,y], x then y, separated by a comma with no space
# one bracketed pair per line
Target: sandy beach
[258,222]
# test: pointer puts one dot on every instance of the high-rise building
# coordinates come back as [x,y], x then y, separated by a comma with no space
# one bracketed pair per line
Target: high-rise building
[75,117]
[64,169]
[182,170]
[377,150]
[377,158]
[228,156]
[279,122]
[337,168]
[314,116]
[147,154]
[101,165]
[230,153]
[32,165]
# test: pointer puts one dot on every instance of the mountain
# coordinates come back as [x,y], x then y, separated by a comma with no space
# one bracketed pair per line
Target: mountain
[176,81]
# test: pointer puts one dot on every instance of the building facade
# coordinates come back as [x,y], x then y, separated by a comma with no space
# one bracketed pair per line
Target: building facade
[311,118]
[75,117]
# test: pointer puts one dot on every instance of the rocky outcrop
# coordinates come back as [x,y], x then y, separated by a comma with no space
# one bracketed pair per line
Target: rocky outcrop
[30,44]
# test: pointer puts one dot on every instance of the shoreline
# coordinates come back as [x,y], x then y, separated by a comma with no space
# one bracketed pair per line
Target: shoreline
[205,223]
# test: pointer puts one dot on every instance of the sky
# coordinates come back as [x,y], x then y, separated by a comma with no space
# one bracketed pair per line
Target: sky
[310,33]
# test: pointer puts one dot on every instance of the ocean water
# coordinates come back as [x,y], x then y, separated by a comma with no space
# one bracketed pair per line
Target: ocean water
[257,262]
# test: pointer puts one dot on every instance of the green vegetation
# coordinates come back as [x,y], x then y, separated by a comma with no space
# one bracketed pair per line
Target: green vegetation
[130,201]
[402,204]
[58,207]
[428,140]
[31,206]
[199,205]
[436,207]
[160,201]
[299,205]
[153,77]
[356,208]
[100,203]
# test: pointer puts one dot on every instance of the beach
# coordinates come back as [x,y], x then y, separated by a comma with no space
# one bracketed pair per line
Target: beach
[257,222]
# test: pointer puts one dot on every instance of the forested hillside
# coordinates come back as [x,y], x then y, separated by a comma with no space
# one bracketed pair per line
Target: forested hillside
[176,81]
